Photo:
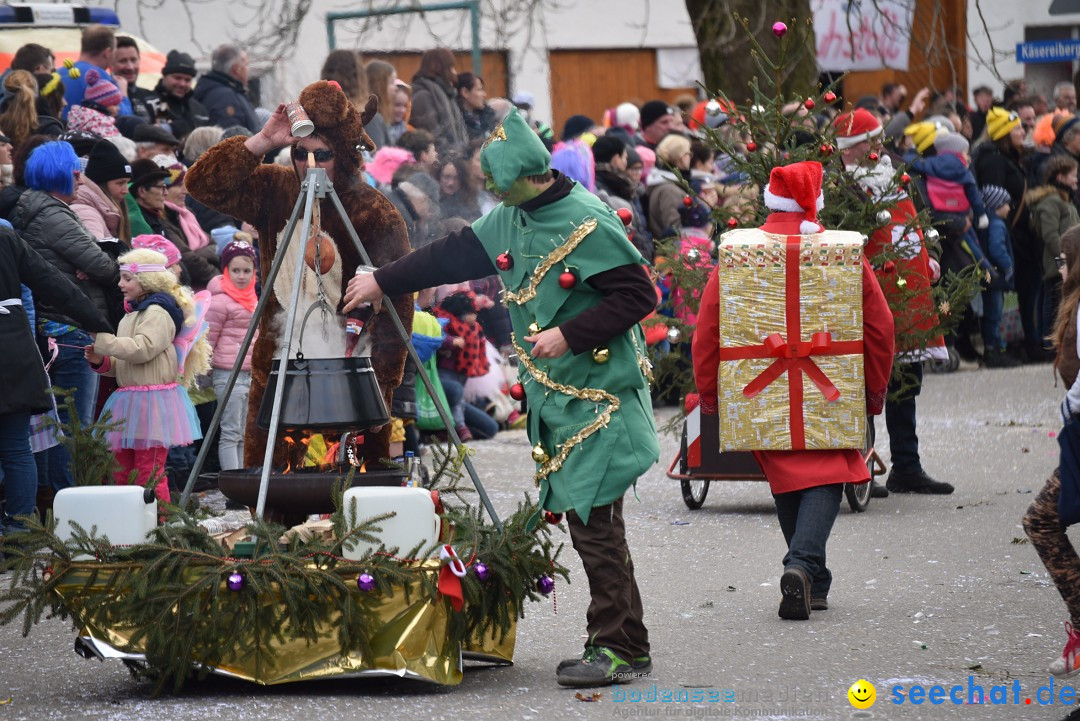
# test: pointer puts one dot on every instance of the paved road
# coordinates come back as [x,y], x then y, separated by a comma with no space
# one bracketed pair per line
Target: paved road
[947,573]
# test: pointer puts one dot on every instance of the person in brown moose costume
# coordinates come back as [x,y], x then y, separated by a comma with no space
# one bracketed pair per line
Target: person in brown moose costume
[231,177]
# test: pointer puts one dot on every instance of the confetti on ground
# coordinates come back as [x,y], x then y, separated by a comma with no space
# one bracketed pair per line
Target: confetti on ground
[5,701]
[588,699]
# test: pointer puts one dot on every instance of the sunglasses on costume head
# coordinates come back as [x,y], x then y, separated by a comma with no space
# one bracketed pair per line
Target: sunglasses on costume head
[321,156]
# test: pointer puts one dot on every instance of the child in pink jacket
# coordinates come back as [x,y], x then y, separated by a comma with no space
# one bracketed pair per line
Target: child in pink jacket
[232,303]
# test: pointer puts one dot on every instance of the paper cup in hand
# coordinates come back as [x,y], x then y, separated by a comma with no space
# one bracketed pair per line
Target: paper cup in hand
[301,123]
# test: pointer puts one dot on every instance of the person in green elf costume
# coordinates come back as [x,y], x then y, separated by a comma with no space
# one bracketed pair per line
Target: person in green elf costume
[576,289]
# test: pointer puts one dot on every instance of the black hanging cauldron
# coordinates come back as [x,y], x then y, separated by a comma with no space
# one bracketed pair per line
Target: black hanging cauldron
[325,393]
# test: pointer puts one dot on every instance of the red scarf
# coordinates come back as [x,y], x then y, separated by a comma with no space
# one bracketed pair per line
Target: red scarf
[245,297]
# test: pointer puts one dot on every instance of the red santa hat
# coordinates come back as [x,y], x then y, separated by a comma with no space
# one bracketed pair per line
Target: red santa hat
[855,126]
[796,188]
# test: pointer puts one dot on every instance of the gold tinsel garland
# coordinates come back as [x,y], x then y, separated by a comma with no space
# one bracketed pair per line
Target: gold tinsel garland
[556,256]
[594,395]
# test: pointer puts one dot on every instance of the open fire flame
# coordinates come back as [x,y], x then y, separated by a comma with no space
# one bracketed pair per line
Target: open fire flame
[321,452]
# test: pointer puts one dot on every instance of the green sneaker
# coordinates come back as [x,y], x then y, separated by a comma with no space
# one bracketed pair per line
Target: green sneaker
[602,669]
[590,652]
[642,665]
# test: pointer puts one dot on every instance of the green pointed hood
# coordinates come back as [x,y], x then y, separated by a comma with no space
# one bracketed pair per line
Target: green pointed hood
[513,151]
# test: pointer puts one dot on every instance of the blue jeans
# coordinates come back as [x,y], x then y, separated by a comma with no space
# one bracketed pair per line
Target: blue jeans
[806,518]
[70,372]
[465,414]
[20,475]
[993,303]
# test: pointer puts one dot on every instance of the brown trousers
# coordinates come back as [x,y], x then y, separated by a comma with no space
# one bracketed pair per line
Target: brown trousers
[1043,527]
[615,616]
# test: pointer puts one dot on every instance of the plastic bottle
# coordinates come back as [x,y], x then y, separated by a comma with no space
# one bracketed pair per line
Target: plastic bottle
[410,479]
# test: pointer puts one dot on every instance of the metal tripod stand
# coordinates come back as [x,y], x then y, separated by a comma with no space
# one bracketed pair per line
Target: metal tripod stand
[315,186]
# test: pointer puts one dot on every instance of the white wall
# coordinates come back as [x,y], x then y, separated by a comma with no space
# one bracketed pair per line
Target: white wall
[558,24]
[1005,23]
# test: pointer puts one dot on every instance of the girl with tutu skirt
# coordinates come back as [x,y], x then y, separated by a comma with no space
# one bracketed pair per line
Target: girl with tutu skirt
[158,350]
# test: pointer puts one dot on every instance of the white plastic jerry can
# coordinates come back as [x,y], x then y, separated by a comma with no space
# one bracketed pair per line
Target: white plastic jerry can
[416,520]
[123,514]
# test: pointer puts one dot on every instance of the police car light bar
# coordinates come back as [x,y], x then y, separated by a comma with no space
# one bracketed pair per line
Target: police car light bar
[54,15]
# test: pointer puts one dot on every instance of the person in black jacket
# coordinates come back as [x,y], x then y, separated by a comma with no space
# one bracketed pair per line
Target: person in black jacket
[1000,161]
[125,66]
[176,100]
[223,90]
[23,383]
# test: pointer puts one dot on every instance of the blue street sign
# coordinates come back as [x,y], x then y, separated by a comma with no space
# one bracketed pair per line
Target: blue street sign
[1048,51]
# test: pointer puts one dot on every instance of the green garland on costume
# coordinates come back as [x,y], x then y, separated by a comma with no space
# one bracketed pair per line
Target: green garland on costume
[172,589]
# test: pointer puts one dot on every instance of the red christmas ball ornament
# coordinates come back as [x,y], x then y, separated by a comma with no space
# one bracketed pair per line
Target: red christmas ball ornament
[889,266]
[751,146]
[625,215]
[809,103]
[504,261]
[553,518]
[779,29]
[687,201]
[567,279]
[829,97]
[826,149]
[905,179]
[873,156]
[732,223]
[517,392]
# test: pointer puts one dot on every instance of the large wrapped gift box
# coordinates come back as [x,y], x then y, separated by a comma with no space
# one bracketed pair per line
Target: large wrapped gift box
[791,335]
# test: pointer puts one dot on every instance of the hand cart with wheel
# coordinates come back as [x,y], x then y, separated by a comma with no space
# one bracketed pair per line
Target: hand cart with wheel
[700,461]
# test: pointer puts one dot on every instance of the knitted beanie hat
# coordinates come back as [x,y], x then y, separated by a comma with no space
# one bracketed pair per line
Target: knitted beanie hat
[1000,122]
[994,196]
[101,91]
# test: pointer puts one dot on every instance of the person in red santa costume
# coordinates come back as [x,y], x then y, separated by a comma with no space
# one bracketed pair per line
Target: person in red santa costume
[807,486]
[906,279]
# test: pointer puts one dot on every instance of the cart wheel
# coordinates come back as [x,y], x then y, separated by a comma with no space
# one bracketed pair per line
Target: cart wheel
[858,496]
[694,492]
[946,366]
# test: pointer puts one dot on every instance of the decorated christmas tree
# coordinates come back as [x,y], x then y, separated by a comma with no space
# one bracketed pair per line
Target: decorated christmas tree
[766,128]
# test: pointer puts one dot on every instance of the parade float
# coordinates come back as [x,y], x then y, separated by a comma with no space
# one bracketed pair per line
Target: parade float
[397,578]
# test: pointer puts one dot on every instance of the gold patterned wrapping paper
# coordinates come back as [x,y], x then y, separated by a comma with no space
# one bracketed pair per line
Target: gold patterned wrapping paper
[412,641]
[753,277]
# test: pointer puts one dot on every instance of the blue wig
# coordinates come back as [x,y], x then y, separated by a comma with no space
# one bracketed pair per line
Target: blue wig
[50,166]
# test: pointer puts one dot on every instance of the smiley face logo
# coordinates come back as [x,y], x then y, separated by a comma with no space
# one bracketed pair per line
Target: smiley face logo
[862,694]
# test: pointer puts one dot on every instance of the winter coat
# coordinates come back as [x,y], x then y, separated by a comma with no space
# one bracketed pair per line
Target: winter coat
[142,351]
[950,167]
[144,105]
[664,196]
[434,110]
[184,114]
[97,212]
[478,123]
[23,383]
[1051,215]
[228,321]
[995,240]
[226,102]
[993,167]
[51,228]
[92,121]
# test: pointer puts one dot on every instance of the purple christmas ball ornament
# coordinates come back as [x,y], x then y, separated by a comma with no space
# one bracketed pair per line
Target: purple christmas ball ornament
[481,571]
[545,585]
[235,582]
[365,582]
[779,29]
